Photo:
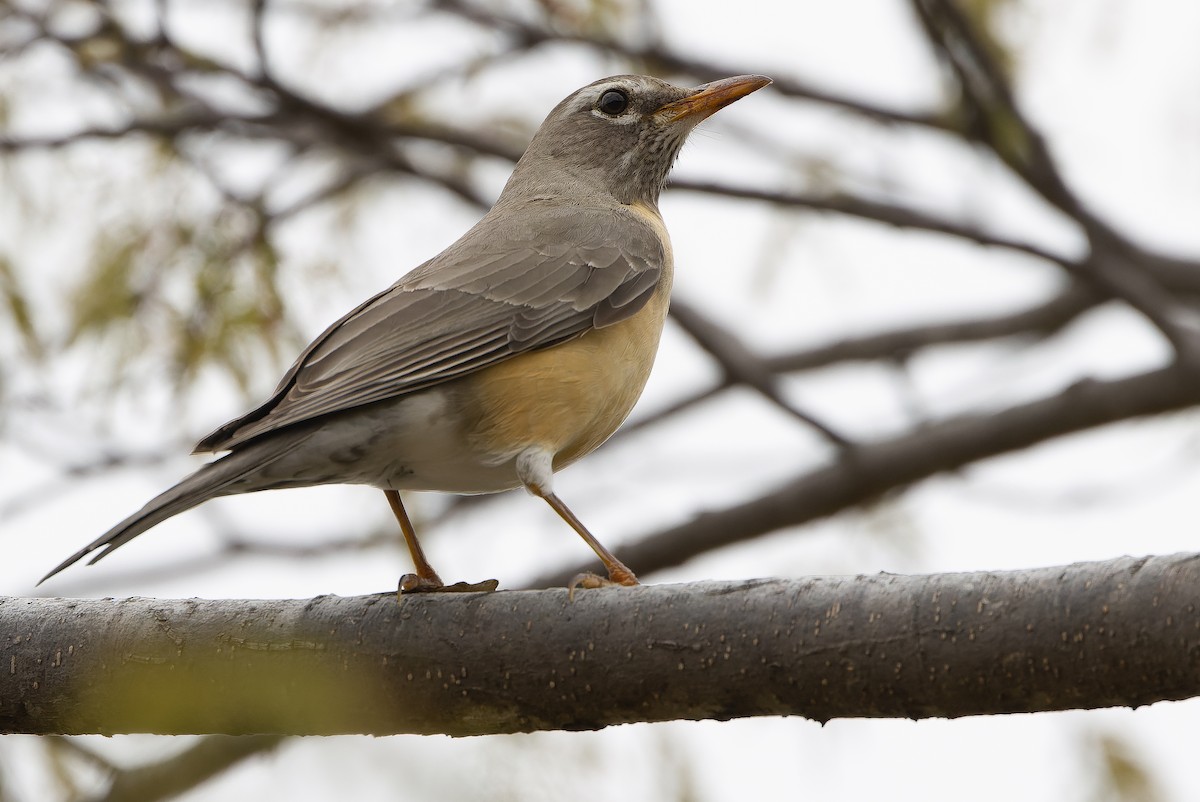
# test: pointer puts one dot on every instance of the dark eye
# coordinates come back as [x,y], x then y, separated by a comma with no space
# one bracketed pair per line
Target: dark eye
[613,102]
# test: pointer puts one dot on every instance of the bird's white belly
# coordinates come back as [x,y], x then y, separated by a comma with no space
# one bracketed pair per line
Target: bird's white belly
[413,443]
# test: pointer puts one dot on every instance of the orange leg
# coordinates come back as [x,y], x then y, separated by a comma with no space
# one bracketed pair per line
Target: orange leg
[618,572]
[426,580]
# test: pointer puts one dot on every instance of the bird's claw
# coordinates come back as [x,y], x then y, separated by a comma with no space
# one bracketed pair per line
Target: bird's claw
[415,583]
[589,580]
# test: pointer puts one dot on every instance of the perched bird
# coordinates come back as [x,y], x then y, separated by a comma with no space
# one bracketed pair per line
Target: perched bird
[509,355]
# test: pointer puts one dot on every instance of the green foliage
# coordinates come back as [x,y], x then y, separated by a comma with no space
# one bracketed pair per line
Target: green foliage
[16,305]
[107,295]
[191,294]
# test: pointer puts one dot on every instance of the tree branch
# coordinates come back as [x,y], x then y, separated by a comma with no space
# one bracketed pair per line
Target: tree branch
[1039,320]
[165,779]
[995,118]
[659,58]
[742,366]
[850,205]
[1122,632]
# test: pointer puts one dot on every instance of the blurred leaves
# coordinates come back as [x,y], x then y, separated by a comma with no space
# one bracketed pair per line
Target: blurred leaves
[17,308]
[204,294]
[1120,775]
[107,297]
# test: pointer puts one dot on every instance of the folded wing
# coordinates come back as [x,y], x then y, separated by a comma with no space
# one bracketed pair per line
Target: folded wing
[492,295]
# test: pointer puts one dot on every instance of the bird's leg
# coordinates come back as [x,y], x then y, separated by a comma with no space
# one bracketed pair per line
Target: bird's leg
[618,572]
[426,580]
[535,469]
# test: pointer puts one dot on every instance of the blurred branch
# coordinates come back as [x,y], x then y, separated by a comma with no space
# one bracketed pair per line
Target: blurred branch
[658,58]
[1039,320]
[671,410]
[1083,636]
[743,366]
[257,22]
[889,214]
[76,749]
[166,127]
[991,113]
[105,464]
[166,779]
[988,109]
[232,545]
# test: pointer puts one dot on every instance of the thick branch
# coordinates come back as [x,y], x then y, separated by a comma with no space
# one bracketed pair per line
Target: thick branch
[1124,632]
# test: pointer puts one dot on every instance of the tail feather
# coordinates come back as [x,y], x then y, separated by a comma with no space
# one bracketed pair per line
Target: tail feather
[212,480]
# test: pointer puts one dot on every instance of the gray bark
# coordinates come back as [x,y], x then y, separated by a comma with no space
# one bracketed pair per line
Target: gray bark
[1116,633]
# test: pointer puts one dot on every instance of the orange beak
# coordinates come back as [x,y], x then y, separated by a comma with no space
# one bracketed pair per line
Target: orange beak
[707,99]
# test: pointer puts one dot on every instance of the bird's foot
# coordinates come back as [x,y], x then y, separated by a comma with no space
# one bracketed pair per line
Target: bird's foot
[618,578]
[415,583]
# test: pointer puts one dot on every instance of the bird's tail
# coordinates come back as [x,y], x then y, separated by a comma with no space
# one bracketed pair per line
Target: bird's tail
[217,478]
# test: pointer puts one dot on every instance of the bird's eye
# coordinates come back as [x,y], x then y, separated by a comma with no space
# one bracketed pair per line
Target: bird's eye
[613,102]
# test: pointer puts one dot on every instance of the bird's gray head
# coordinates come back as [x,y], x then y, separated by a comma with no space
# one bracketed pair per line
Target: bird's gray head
[619,136]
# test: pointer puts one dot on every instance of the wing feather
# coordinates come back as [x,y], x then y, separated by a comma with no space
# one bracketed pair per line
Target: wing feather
[492,295]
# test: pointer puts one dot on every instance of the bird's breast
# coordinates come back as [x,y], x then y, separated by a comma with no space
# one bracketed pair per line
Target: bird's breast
[571,397]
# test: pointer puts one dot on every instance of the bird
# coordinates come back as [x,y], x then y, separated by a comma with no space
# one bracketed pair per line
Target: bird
[514,352]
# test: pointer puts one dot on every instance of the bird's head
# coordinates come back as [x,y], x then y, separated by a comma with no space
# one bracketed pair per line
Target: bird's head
[619,136]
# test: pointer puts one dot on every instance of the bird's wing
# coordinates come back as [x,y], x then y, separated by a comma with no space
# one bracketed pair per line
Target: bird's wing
[492,295]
